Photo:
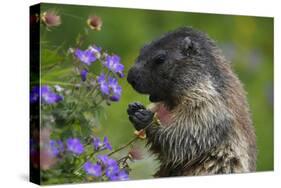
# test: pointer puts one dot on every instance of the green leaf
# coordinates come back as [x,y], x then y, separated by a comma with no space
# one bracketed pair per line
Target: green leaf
[57,74]
[49,58]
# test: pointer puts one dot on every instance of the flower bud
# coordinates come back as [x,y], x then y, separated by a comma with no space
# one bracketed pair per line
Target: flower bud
[135,153]
[140,134]
[84,74]
[94,22]
[50,18]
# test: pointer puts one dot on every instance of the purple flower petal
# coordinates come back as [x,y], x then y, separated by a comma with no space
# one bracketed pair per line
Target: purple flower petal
[83,75]
[96,51]
[93,169]
[51,98]
[107,161]
[86,56]
[111,170]
[113,64]
[74,145]
[56,147]
[110,87]
[123,175]
[48,96]
[115,88]
[34,95]
[97,143]
[103,84]
[103,158]
[120,176]
[106,143]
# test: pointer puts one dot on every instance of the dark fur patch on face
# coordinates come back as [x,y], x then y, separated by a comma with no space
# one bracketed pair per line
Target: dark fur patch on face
[167,67]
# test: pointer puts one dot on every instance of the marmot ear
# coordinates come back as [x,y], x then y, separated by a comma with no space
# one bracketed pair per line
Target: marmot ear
[189,47]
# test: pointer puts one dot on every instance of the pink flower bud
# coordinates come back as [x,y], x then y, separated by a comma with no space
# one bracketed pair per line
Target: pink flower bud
[50,18]
[94,22]
[135,153]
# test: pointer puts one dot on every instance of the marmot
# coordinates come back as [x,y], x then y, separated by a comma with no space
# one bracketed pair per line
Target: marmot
[205,124]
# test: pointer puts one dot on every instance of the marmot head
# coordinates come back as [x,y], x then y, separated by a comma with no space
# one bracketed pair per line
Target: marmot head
[169,66]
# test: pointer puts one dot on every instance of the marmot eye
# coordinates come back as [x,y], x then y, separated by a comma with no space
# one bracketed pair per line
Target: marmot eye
[160,59]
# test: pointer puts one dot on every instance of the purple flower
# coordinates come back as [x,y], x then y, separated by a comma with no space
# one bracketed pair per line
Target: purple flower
[113,64]
[74,145]
[107,161]
[103,84]
[96,51]
[106,143]
[34,95]
[86,56]
[103,158]
[101,145]
[110,87]
[115,89]
[117,175]
[83,75]
[97,143]
[93,169]
[120,176]
[56,147]
[123,175]
[111,170]
[48,96]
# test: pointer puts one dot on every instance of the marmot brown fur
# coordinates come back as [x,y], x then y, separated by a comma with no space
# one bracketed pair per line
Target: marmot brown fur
[205,124]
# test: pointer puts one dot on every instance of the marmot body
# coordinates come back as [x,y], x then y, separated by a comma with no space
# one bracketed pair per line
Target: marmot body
[205,124]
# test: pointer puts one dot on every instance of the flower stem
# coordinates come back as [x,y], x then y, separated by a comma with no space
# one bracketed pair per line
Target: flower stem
[123,159]
[124,146]
[129,143]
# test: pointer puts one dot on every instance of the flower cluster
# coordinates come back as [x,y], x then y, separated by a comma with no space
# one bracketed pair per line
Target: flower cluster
[107,166]
[104,165]
[74,145]
[45,93]
[108,83]
[85,156]
[94,53]
[113,64]
[98,145]
[110,87]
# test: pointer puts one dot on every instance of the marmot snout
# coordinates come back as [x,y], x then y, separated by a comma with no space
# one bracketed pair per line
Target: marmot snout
[205,124]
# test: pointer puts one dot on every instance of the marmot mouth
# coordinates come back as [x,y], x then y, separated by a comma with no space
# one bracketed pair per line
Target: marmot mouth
[163,114]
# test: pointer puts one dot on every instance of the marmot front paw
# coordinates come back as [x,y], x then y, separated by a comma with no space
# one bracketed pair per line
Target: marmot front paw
[139,115]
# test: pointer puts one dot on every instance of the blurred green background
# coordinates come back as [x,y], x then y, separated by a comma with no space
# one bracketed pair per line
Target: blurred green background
[246,41]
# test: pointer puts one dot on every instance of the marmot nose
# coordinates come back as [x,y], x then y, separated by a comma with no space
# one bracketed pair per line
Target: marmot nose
[132,77]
